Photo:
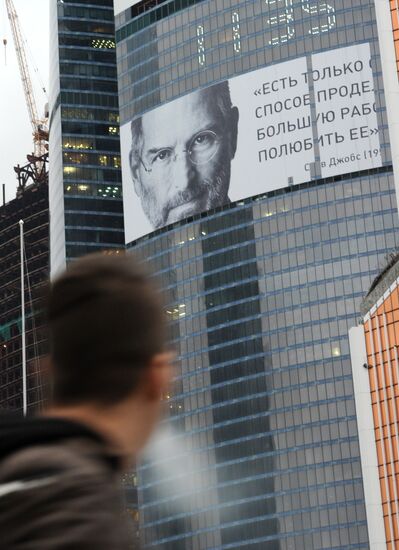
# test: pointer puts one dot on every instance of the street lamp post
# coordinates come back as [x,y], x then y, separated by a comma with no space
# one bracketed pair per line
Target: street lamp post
[24,381]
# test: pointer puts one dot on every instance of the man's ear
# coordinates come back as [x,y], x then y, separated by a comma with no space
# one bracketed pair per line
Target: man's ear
[233,130]
[158,375]
[134,170]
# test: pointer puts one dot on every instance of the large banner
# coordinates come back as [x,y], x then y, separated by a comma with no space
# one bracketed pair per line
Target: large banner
[312,117]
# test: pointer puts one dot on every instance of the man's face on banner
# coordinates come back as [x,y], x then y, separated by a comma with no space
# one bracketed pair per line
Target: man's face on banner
[181,162]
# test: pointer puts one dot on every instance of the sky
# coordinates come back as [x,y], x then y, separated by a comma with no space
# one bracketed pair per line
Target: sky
[16,136]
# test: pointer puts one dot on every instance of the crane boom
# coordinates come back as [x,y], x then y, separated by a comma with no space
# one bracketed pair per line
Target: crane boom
[40,132]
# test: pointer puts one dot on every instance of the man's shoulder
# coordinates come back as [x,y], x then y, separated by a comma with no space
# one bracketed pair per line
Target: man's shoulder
[60,495]
[69,476]
[74,457]
[40,443]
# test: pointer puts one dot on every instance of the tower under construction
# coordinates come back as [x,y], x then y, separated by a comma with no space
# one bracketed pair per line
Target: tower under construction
[30,206]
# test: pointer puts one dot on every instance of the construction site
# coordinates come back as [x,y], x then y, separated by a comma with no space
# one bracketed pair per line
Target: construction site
[24,249]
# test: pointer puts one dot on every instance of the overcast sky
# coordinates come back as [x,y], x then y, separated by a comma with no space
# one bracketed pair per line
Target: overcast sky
[16,135]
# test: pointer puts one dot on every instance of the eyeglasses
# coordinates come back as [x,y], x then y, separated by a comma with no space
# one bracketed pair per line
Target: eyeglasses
[202,148]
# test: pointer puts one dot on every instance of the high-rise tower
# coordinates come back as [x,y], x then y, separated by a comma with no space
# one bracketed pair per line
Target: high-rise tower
[85,179]
[30,206]
[259,159]
[375,364]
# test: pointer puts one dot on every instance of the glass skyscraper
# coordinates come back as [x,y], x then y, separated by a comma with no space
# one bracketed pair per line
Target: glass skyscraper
[262,286]
[85,181]
[260,300]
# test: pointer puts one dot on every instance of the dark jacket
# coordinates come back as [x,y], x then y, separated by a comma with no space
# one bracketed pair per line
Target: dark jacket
[59,488]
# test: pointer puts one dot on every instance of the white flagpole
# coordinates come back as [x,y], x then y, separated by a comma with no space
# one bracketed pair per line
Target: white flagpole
[24,385]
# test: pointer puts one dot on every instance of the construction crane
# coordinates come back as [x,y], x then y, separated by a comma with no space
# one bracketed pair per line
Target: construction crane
[39,125]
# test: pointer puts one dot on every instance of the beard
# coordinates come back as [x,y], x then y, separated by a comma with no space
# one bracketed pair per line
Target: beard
[209,193]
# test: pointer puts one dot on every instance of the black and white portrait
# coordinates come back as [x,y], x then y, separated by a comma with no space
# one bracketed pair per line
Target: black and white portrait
[181,153]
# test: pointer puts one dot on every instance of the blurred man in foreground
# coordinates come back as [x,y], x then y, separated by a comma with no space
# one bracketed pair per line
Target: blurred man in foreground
[60,473]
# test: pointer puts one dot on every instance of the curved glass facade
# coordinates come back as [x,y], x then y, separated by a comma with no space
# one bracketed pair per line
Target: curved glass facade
[260,296]
[158,51]
[85,178]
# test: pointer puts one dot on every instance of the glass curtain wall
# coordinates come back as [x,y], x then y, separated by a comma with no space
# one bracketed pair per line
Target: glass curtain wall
[85,178]
[260,298]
